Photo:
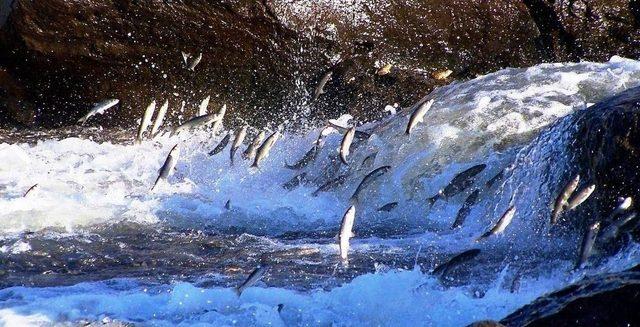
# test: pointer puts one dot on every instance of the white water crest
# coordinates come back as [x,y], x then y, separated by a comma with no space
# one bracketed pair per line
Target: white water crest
[488,120]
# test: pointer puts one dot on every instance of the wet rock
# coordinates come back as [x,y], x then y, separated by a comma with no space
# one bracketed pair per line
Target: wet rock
[264,58]
[607,300]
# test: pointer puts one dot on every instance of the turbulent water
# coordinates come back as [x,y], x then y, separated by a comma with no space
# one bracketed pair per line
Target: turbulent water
[92,243]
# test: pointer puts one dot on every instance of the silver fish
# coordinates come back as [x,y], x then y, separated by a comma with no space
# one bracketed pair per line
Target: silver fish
[623,205]
[418,116]
[455,261]
[195,62]
[159,118]
[367,180]
[458,184]
[471,200]
[582,196]
[294,182]
[305,160]
[346,144]
[587,244]
[265,148]
[99,108]
[613,230]
[196,122]
[388,207]
[237,142]
[346,232]
[253,278]
[563,197]
[146,120]
[502,223]
[202,108]
[221,145]
[320,88]
[169,164]
[250,152]
[31,189]
[330,184]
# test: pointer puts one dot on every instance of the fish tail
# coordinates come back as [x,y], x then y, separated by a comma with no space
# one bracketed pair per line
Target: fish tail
[407,131]
[344,160]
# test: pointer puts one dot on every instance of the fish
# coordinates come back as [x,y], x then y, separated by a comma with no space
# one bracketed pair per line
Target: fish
[346,144]
[196,122]
[458,184]
[455,261]
[294,182]
[146,120]
[367,180]
[613,230]
[418,115]
[221,145]
[250,152]
[227,205]
[195,62]
[471,200]
[31,189]
[237,142]
[368,160]
[202,108]
[305,160]
[99,108]
[169,164]
[159,118]
[360,135]
[185,58]
[502,223]
[388,207]
[623,205]
[384,70]
[561,201]
[442,74]
[495,179]
[579,198]
[346,232]
[253,278]
[330,184]
[320,87]
[265,148]
[588,240]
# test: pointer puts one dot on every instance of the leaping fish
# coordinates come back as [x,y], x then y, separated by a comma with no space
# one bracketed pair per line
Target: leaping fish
[253,278]
[346,232]
[458,184]
[305,160]
[613,230]
[464,211]
[320,88]
[237,142]
[455,261]
[196,122]
[418,116]
[221,145]
[582,196]
[146,120]
[159,118]
[250,152]
[561,201]
[195,62]
[346,144]
[265,148]
[360,135]
[99,108]
[202,108]
[502,223]
[169,164]
[588,240]
[368,180]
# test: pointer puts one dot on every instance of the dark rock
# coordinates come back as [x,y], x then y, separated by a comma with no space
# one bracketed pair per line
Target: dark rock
[264,58]
[606,300]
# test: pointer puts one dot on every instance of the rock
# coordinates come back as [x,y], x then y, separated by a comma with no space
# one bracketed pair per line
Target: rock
[264,58]
[606,300]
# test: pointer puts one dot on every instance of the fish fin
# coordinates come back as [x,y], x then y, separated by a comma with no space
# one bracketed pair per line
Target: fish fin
[337,237]
[352,235]
[344,161]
